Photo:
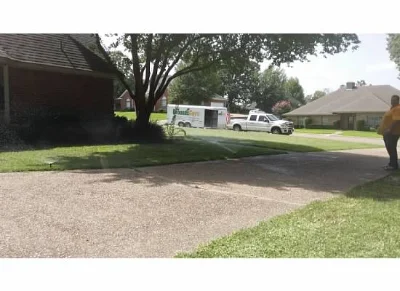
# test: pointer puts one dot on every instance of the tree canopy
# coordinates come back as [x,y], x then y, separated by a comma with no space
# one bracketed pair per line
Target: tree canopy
[393,46]
[270,88]
[154,57]
[294,92]
[195,87]
[317,94]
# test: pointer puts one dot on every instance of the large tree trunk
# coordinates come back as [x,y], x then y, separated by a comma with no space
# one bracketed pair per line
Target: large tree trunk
[143,111]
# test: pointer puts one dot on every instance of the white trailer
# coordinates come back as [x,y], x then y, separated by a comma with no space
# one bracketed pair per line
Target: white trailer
[197,116]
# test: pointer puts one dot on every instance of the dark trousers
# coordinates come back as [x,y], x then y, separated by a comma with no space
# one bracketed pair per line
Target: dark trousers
[391,147]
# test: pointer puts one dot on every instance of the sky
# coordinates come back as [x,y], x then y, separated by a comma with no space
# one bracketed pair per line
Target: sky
[370,62]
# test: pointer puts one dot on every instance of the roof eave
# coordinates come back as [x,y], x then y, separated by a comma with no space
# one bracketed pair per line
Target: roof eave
[52,68]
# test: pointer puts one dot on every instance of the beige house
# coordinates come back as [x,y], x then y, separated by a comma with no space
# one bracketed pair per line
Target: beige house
[346,106]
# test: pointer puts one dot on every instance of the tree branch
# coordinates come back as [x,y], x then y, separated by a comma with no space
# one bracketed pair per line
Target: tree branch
[184,71]
[165,62]
[119,75]
[149,50]
[153,81]
[177,59]
[135,61]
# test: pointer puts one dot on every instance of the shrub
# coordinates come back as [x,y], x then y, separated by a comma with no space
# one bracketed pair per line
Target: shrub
[336,124]
[282,107]
[311,126]
[74,128]
[9,139]
[307,122]
[172,130]
[53,127]
[360,125]
[131,132]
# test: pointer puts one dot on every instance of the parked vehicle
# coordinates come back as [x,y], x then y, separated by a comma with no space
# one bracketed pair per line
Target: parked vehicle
[197,116]
[258,120]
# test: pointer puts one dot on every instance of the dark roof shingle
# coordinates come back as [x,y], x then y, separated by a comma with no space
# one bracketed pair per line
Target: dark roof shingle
[71,51]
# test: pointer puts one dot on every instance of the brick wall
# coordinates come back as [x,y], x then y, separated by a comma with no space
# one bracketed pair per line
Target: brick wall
[123,102]
[30,89]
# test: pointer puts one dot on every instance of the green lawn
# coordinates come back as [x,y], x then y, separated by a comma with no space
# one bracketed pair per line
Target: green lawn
[132,115]
[200,145]
[369,134]
[364,223]
[123,156]
[279,142]
[315,131]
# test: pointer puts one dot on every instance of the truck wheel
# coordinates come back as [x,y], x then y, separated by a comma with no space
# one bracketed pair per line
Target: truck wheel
[181,124]
[276,130]
[237,128]
[187,124]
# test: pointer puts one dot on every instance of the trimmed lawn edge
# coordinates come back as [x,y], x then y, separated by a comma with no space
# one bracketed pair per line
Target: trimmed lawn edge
[359,209]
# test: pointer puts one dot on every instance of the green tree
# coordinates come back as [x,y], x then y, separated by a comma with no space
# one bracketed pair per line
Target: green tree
[361,83]
[195,87]
[270,88]
[318,94]
[153,57]
[239,82]
[119,60]
[282,107]
[294,92]
[393,46]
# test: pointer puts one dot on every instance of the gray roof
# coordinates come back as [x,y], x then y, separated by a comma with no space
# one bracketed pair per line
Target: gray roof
[70,51]
[216,97]
[361,99]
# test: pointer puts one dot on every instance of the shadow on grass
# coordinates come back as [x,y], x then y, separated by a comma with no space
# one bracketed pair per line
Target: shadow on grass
[333,172]
[385,189]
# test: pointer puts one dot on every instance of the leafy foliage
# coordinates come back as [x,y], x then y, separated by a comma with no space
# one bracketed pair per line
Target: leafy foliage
[153,57]
[294,92]
[393,46]
[282,107]
[195,87]
[9,138]
[239,82]
[317,94]
[270,88]
[119,60]
[307,122]
[172,130]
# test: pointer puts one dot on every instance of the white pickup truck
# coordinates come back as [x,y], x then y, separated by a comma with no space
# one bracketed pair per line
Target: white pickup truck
[261,121]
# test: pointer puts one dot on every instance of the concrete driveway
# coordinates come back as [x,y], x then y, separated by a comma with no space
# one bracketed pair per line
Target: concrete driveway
[159,211]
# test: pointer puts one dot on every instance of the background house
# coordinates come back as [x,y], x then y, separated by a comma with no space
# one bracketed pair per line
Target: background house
[53,72]
[346,106]
[126,103]
[216,101]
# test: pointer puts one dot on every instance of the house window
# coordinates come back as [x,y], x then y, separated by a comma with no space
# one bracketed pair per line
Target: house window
[128,103]
[373,121]
[164,102]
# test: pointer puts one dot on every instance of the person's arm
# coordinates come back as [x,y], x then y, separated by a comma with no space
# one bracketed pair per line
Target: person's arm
[381,129]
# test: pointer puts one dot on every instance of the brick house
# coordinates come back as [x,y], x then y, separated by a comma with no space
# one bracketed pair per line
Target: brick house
[346,106]
[215,100]
[126,103]
[53,72]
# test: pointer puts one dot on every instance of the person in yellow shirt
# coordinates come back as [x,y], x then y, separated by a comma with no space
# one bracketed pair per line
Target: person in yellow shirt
[390,129]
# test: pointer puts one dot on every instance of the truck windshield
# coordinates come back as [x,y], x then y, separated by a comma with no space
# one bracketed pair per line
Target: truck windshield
[272,117]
